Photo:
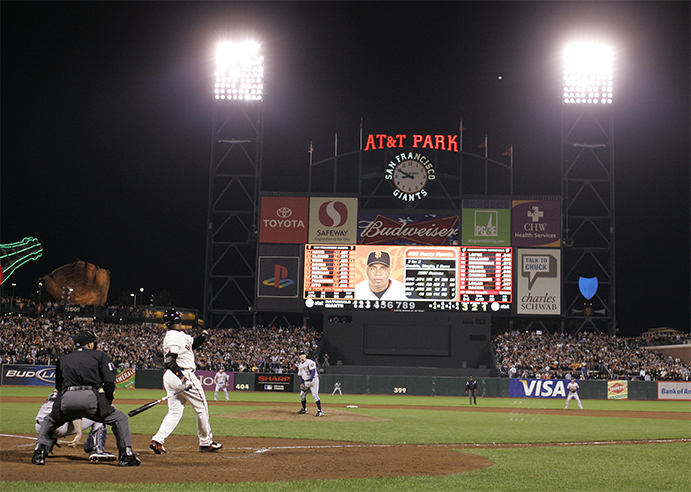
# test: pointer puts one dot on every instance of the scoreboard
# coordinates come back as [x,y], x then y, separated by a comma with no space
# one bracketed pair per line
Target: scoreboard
[441,278]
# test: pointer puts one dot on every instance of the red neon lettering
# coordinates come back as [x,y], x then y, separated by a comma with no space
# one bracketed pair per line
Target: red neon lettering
[439,142]
[453,143]
[370,142]
[428,142]
[400,140]
[416,140]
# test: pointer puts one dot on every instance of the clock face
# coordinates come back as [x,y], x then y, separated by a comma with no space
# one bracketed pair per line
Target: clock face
[410,176]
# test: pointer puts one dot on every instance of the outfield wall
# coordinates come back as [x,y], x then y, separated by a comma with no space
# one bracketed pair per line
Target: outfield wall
[377,384]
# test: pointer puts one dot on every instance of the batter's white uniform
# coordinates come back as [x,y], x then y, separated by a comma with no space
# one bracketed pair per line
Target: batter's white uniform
[308,372]
[179,342]
[573,393]
[221,379]
[395,291]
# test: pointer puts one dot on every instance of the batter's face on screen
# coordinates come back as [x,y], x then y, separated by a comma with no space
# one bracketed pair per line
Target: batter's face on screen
[378,276]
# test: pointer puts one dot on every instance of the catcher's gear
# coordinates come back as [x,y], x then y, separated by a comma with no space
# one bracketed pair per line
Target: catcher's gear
[84,283]
[171,317]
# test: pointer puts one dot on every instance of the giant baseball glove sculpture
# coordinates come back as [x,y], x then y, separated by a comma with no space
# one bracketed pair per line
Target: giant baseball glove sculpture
[88,282]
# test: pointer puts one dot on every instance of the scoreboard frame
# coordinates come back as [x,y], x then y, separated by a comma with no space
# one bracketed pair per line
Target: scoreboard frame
[436,278]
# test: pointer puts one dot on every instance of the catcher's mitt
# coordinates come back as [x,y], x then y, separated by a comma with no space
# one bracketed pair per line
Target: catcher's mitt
[88,282]
[304,387]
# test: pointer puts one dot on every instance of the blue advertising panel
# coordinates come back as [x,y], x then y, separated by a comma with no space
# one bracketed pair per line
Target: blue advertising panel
[27,375]
[538,388]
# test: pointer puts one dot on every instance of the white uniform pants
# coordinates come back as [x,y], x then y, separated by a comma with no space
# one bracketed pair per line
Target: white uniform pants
[314,389]
[225,390]
[573,395]
[176,405]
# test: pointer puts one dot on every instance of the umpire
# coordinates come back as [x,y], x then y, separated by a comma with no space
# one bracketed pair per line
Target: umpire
[85,380]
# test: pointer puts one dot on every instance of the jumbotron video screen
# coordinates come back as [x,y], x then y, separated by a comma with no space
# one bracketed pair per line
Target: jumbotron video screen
[408,278]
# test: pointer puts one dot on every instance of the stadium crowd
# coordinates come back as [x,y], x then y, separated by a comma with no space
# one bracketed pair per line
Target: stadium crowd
[41,341]
[587,355]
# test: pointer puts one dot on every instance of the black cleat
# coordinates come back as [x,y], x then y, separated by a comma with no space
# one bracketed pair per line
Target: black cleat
[39,457]
[211,448]
[302,411]
[157,447]
[129,460]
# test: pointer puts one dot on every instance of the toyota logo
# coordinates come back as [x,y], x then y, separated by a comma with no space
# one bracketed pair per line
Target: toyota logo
[284,212]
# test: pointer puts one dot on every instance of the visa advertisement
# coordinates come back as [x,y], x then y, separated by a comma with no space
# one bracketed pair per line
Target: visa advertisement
[538,388]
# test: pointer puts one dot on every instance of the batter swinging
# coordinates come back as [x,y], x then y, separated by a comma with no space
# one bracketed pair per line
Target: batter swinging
[180,366]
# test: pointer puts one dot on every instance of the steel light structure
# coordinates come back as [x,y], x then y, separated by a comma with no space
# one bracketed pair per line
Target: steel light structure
[234,185]
[587,143]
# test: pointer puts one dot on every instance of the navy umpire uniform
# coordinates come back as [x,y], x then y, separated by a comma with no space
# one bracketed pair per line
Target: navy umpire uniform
[85,380]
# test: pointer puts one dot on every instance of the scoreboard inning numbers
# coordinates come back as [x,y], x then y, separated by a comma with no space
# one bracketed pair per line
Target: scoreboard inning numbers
[435,278]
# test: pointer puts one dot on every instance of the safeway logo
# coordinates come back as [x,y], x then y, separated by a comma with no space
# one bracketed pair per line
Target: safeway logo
[333,214]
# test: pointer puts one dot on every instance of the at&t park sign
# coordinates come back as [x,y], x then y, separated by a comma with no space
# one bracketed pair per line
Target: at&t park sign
[411,172]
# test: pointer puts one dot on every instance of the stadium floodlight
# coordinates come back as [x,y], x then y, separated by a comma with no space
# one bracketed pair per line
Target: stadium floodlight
[588,69]
[239,72]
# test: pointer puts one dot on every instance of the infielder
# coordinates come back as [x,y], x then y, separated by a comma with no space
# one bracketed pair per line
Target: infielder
[221,380]
[179,363]
[95,443]
[337,387]
[309,381]
[573,393]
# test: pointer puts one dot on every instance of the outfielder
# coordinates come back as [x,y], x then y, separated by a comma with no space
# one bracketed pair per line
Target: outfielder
[309,381]
[180,366]
[95,443]
[221,380]
[573,393]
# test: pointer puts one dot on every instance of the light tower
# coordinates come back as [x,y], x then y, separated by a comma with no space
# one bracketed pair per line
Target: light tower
[587,165]
[234,185]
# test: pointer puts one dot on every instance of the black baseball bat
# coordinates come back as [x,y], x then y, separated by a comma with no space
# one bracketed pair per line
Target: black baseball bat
[143,408]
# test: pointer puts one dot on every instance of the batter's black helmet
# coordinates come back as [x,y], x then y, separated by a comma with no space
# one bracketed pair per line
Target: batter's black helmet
[171,317]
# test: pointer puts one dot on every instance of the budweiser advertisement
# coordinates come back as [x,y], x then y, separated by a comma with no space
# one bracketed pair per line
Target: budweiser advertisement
[284,219]
[425,230]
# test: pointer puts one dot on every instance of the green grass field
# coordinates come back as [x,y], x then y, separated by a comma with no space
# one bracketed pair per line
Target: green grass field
[625,467]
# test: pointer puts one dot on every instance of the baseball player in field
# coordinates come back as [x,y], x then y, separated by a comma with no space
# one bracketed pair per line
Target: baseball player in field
[309,381]
[178,360]
[573,393]
[221,379]
[95,444]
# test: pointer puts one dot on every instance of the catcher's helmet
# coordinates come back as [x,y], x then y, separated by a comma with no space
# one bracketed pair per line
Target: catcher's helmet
[171,317]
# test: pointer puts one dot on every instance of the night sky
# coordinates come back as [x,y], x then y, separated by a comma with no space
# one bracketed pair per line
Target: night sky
[107,114]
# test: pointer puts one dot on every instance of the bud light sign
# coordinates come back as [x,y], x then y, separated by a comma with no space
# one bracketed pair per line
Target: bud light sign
[538,388]
[26,375]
